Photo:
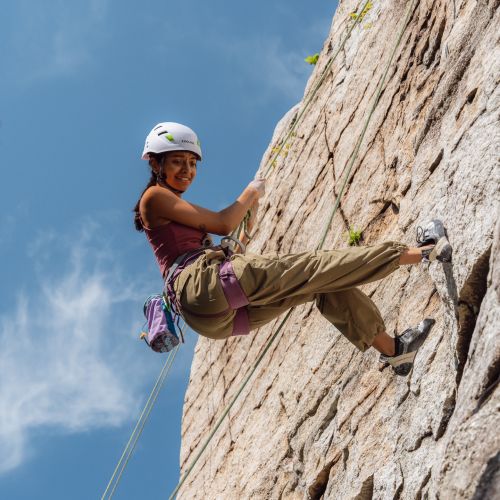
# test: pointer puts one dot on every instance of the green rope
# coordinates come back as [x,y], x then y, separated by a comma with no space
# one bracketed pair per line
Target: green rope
[319,246]
[370,114]
[141,422]
[228,408]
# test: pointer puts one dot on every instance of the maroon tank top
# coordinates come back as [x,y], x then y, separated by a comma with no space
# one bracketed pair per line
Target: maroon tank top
[171,240]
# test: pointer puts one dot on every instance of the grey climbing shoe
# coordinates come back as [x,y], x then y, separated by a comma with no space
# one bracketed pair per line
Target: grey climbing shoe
[434,233]
[407,345]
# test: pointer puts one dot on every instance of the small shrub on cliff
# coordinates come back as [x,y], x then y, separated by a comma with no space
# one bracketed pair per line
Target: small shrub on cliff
[312,59]
[354,237]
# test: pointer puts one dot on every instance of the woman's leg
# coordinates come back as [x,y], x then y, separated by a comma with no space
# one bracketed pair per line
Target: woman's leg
[259,316]
[356,316]
[413,255]
[350,311]
[271,278]
[384,344]
[274,284]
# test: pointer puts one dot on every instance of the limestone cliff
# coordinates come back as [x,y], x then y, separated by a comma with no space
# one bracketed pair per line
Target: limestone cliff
[318,418]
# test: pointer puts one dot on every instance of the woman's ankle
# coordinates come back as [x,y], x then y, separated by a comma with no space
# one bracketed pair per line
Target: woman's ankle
[384,344]
[413,255]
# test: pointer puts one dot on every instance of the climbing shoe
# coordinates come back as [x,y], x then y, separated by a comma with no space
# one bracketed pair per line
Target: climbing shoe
[407,345]
[434,233]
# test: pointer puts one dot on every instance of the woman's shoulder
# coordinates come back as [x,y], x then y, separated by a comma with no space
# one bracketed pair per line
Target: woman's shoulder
[156,191]
[155,195]
[150,206]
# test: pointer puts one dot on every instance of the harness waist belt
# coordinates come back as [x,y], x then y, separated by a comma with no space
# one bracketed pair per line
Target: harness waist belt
[235,296]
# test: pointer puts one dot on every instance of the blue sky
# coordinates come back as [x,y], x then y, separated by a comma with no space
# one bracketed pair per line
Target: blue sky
[82,84]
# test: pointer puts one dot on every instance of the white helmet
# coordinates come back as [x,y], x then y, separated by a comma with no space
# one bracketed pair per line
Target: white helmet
[170,136]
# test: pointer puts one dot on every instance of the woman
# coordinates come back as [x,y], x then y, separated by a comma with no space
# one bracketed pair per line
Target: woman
[220,294]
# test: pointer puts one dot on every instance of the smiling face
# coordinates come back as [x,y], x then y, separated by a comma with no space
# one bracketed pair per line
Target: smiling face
[179,169]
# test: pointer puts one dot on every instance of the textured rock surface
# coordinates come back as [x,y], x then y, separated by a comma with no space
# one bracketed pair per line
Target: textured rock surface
[318,417]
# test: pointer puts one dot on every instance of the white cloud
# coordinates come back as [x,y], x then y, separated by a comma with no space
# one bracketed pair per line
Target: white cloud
[65,362]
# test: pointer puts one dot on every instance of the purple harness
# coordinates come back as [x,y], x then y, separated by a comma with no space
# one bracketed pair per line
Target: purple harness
[235,296]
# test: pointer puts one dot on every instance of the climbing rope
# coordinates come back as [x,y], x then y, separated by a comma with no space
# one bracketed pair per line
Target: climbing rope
[353,158]
[141,422]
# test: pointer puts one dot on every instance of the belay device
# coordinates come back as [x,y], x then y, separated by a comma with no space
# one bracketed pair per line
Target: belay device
[162,332]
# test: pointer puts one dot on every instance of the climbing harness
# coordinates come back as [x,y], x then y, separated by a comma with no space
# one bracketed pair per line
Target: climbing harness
[163,312]
[242,226]
[235,296]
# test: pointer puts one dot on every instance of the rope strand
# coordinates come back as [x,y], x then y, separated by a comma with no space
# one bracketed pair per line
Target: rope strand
[141,422]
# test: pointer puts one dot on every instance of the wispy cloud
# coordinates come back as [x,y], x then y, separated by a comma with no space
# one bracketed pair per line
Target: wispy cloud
[267,61]
[64,359]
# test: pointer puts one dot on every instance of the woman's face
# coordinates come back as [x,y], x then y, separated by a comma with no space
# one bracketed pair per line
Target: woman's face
[179,169]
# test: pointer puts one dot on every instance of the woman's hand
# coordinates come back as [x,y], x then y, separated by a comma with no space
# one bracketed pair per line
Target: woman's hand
[259,185]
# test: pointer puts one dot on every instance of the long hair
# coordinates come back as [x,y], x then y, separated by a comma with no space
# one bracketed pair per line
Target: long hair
[153,180]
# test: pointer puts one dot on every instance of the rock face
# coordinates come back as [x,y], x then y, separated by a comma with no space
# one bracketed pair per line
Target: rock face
[318,418]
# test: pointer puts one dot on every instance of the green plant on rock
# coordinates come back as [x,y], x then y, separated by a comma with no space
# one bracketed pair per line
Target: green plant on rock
[312,59]
[354,237]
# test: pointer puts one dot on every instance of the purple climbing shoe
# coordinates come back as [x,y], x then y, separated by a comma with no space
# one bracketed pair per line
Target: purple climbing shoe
[434,233]
[407,345]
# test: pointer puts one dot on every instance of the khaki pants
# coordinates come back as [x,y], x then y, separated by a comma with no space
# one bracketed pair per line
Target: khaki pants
[274,284]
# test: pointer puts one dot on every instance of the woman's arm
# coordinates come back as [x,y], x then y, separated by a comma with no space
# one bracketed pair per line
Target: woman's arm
[159,205]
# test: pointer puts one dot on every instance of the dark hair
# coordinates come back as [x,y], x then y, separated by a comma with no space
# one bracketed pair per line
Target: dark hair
[153,180]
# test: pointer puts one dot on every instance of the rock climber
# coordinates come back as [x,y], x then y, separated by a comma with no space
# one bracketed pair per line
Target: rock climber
[220,293]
